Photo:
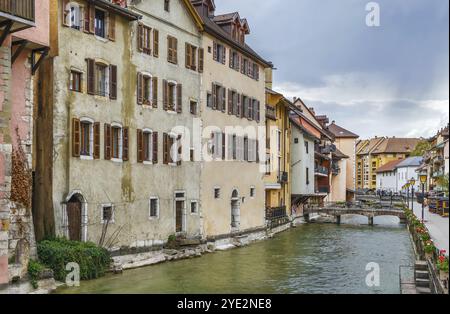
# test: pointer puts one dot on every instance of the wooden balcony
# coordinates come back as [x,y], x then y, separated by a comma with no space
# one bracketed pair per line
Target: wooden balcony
[16,15]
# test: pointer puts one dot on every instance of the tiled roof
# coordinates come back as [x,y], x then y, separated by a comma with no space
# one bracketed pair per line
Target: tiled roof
[340,132]
[396,145]
[390,166]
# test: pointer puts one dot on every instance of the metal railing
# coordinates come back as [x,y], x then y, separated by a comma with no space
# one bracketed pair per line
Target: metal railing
[20,8]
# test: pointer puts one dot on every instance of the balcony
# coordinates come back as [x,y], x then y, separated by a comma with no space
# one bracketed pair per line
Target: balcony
[16,15]
[271,112]
[283,177]
[322,171]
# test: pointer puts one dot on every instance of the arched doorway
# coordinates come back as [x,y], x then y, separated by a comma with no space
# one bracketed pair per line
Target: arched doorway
[74,217]
[235,210]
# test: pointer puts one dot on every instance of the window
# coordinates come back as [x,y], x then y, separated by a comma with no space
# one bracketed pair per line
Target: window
[75,16]
[216,193]
[116,142]
[100,23]
[172,50]
[252,192]
[75,81]
[219,53]
[100,74]
[107,214]
[154,208]
[193,107]
[194,207]
[86,143]
[167,5]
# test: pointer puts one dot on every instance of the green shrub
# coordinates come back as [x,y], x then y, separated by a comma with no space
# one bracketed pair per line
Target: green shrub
[34,270]
[56,254]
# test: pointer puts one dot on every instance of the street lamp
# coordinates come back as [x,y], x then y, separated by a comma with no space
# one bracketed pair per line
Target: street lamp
[412,182]
[423,180]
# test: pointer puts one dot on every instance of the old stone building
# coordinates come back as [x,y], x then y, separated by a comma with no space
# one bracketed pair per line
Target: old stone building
[115,111]
[233,109]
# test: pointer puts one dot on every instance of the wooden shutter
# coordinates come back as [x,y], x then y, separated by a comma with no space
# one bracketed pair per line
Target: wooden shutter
[108,141]
[113,81]
[140,89]
[230,102]
[155,92]
[97,140]
[66,12]
[166,149]
[214,96]
[179,98]
[91,19]
[155,148]
[165,95]
[215,51]
[112,27]
[140,146]
[223,90]
[188,56]
[156,43]
[140,38]
[90,76]
[76,137]
[125,144]
[201,56]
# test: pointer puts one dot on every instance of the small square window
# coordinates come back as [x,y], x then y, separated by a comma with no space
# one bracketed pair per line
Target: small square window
[216,193]
[194,207]
[154,208]
[107,214]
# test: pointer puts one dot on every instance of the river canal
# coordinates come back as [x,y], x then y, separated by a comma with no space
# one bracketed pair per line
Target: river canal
[314,258]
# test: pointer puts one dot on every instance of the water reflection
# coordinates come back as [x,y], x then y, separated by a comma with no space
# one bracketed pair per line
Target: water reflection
[310,259]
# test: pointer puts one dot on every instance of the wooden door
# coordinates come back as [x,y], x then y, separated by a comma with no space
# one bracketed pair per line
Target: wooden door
[179,208]
[74,220]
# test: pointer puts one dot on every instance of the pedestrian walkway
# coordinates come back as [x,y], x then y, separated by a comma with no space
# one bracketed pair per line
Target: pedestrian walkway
[437,226]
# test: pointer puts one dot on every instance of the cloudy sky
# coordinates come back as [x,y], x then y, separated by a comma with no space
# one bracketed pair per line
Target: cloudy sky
[390,80]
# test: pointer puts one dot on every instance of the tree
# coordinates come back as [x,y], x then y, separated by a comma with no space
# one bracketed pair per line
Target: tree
[421,148]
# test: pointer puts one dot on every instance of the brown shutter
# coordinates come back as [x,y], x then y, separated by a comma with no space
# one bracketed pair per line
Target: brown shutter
[140,89]
[66,12]
[90,76]
[188,56]
[155,92]
[113,81]
[165,95]
[214,96]
[179,98]
[156,43]
[112,27]
[76,137]
[97,140]
[201,56]
[215,51]
[140,38]
[125,144]
[91,19]
[230,102]
[165,149]
[108,140]
[155,147]
[140,146]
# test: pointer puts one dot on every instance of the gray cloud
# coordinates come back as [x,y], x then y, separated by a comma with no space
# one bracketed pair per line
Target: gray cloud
[391,80]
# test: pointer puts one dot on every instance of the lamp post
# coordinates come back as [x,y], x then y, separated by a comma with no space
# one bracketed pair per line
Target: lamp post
[412,182]
[423,181]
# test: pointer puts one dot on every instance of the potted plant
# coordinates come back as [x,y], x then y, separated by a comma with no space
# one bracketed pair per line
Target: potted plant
[442,265]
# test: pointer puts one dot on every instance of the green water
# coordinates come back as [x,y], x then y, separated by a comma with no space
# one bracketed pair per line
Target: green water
[308,259]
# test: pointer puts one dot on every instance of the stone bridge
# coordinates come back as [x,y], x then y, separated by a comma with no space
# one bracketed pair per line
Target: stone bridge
[370,213]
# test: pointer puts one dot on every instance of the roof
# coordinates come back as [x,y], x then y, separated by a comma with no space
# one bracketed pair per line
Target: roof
[396,145]
[390,166]
[340,132]
[411,162]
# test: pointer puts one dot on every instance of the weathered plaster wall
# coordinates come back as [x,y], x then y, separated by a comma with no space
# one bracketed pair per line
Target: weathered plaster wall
[231,175]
